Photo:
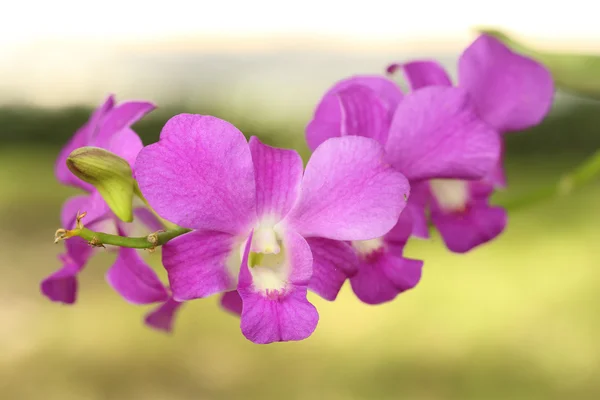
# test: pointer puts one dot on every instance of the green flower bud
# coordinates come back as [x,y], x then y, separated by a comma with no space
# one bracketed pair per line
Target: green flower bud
[109,174]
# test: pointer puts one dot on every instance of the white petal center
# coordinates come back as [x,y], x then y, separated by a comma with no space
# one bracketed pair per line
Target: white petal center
[268,261]
[451,194]
[366,247]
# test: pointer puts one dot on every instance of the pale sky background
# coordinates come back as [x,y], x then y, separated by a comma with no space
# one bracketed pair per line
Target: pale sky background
[30,20]
[61,52]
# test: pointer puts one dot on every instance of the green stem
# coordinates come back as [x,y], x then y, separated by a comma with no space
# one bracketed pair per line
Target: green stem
[581,176]
[145,242]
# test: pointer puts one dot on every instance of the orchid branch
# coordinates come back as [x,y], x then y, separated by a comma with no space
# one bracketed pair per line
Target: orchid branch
[99,239]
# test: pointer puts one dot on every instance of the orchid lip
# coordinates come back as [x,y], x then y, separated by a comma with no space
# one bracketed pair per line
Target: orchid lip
[452,195]
[269,263]
[365,248]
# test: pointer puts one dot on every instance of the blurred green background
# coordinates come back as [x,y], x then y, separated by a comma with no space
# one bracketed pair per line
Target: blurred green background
[517,318]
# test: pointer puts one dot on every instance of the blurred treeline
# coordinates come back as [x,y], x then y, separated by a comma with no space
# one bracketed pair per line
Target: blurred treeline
[570,131]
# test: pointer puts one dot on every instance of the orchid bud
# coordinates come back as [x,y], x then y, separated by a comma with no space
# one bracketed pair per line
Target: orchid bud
[109,174]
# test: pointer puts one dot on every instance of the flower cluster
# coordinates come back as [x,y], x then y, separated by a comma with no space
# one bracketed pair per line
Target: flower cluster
[261,229]
[108,128]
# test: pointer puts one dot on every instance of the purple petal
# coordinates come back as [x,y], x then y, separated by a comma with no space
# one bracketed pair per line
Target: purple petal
[386,89]
[200,175]
[401,232]
[163,316]
[61,286]
[415,209]
[285,319]
[436,133]
[148,219]
[497,176]
[279,316]
[78,250]
[278,174]
[93,205]
[197,264]
[120,118]
[126,144]
[327,121]
[425,73]
[478,223]
[82,137]
[348,192]
[511,92]
[134,280]
[232,302]
[62,172]
[98,117]
[333,262]
[382,277]
[363,113]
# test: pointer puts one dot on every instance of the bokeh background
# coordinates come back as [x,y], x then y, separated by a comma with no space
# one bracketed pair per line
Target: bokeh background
[518,318]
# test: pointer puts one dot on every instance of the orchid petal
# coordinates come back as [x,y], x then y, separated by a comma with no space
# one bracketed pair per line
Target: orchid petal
[126,144]
[478,223]
[425,73]
[283,315]
[196,264]
[200,175]
[98,117]
[121,118]
[134,280]
[61,286]
[93,205]
[82,137]
[333,262]
[436,133]
[163,316]
[363,113]
[327,121]
[415,209]
[386,89]
[278,174]
[511,92]
[148,219]
[383,277]
[232,302]
[348,192]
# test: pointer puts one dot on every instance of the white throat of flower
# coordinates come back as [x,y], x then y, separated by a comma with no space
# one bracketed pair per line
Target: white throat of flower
[268,261]
[451,194]
[367,247]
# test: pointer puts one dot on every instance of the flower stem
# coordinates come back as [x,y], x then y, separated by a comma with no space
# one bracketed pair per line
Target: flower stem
[151,241]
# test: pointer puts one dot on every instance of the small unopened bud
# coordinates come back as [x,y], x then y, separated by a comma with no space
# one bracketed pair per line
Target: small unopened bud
[61,234]
[109,174]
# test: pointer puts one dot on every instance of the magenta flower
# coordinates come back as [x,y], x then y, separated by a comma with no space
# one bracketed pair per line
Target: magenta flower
[511,93]
[108,128]
[430,133]
[251,201]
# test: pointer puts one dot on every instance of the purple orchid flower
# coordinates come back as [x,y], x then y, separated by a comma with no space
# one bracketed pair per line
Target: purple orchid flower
[254,211]
[511,93]
[427,134]
[108,128]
